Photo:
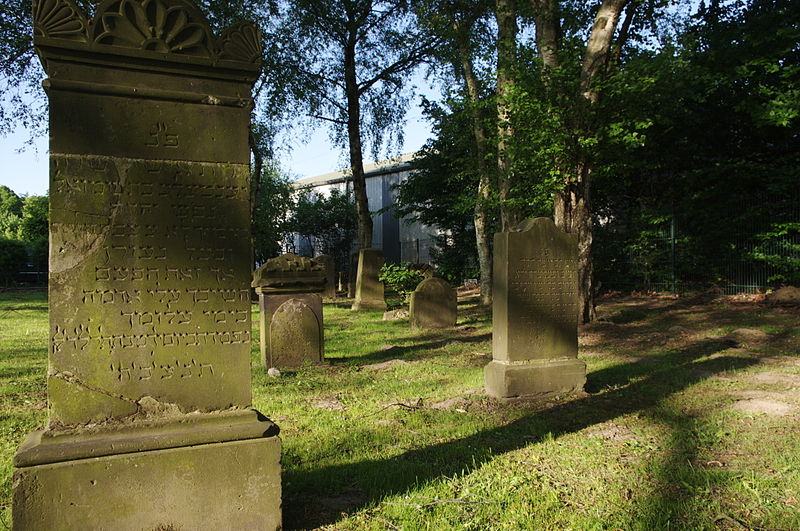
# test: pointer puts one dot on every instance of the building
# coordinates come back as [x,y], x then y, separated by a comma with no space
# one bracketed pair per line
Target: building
[402,240]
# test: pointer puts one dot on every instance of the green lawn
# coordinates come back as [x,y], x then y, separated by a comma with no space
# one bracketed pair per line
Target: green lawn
[668,434]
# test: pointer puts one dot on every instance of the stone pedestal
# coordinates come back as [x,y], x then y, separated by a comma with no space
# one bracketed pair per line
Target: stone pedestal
[150,423]
[535,313]
[217,471]
[433,304]
[292,329]
[369,290]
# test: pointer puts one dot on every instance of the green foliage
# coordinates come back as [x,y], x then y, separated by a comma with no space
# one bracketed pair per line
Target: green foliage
[13,256]
[780,249]
[695,136]
[33,223]
[271,214]
[455,256]
[401,278]
[443,188]
[327,223]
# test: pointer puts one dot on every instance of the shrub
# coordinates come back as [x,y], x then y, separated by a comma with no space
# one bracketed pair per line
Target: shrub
[402,278]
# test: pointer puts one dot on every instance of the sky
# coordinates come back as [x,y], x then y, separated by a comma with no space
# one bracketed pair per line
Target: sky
[26,171]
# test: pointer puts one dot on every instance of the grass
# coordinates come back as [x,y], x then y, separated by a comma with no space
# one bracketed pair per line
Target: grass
[656,442]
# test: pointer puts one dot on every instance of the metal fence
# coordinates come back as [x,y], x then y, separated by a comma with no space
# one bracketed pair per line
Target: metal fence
[751,257]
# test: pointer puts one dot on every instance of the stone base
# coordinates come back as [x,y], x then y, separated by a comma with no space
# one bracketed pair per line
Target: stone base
[234,484]
[369,305]
[533,378]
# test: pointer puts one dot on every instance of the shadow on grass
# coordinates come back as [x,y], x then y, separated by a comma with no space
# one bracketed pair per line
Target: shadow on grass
[418,350]
[379,478]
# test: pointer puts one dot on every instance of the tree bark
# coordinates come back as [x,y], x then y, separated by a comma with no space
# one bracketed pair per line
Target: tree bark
[548,31]
[572,208]
[255,189]
[506,16]
[573,214]
[354,141]
[481,216]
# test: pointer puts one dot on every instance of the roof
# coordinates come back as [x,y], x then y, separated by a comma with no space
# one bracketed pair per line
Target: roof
[400,163]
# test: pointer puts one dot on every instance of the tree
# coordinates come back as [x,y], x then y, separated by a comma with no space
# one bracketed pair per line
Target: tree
[573,64]
[345,63]
[271,214]
[463,30]
[328,223]
[10,212]
[722,99]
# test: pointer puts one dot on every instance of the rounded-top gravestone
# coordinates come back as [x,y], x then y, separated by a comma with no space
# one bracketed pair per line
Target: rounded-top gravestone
[433,304]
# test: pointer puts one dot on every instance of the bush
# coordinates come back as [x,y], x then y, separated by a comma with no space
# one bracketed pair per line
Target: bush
[13,257]
[402,279]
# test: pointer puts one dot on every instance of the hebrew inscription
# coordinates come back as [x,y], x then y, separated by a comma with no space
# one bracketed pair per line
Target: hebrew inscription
[149,290]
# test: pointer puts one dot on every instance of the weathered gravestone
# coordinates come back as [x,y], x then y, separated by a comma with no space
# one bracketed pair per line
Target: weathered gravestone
[352,274]
[433,304]
[535,313]
[329,264]
[369,290]
[288,290]
[150,425]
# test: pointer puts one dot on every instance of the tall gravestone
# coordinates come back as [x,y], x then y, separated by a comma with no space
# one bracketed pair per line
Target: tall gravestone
[369,290]
[329,264]
[292,332]
[535,313]
[433,304]
[150,425]
[352,274]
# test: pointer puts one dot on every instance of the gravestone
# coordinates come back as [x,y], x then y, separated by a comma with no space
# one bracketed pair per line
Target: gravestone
[150,425]
[291,322]
[330,275]
[535,313]
[433,304]
[369,290]
[352,274]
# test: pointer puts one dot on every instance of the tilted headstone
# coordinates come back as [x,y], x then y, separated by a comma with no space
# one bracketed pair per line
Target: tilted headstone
[369,290]
[149,369]
[535,313]
[291,322]
[433,304]
[330,275]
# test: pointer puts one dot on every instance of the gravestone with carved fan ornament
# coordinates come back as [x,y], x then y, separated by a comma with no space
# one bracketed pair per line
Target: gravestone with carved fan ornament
[150,425]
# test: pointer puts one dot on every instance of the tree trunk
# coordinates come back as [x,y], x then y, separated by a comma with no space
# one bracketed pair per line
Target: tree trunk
[354,144]
[255,188]
[548,31]
[481,216]
[573,214]
[572,208]
[506,15]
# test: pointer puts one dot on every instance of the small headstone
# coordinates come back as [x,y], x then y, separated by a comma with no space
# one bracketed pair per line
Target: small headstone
[369,290]
[329,264]
[535,313]
[294,335]
[288,289]
[433,304]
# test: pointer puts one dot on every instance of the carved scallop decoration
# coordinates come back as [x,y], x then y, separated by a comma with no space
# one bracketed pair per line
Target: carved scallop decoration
[166,26]
[58,19]
[241,43]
